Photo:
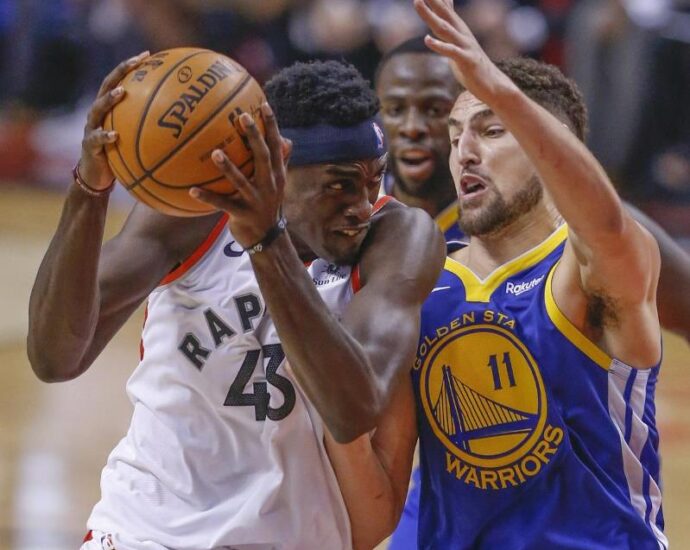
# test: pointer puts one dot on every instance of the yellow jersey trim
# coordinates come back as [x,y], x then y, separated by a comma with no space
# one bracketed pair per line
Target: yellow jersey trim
[478,290]
[447,217]
[570,331]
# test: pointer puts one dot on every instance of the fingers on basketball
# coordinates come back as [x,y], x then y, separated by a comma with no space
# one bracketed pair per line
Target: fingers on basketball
[180,106]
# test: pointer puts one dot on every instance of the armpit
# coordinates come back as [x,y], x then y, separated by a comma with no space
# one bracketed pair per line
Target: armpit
[602,311]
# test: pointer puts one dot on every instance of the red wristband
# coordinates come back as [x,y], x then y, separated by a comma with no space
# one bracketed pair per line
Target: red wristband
[86,187]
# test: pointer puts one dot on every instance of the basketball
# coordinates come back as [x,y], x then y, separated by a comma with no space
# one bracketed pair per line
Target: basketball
[179,106]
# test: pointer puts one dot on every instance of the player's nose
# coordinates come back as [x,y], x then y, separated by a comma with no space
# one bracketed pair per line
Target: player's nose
[413,126]
[468,150]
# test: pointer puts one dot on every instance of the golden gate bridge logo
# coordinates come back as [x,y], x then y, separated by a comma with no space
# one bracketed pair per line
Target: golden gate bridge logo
[464,414]
[483,395]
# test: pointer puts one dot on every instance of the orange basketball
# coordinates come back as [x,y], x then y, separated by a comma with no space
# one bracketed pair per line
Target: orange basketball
[179,106]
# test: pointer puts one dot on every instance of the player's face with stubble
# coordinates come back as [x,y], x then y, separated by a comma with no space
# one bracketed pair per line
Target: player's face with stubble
[495,180]
[329,207]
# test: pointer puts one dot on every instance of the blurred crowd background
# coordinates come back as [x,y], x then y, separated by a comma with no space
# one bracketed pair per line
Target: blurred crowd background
[630,57]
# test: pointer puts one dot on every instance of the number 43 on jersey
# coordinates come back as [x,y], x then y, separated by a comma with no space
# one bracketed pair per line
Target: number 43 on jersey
[259,397]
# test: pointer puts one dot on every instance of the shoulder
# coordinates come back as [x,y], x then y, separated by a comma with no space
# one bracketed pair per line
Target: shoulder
[403,243]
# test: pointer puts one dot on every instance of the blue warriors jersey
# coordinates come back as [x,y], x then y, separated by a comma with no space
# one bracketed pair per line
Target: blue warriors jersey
[531,437]
[447,221]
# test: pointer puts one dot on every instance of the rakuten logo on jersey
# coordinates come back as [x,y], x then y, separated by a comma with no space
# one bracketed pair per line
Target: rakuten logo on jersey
[519,288]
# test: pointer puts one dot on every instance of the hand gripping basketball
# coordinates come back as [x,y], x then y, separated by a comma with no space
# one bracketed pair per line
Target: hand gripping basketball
[179,106]
[93,165]
[254,208]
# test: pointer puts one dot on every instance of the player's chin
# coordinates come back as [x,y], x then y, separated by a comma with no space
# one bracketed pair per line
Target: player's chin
[343,253]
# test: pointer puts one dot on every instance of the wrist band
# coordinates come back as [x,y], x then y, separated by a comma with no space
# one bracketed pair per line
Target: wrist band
[86,187]
[270,236]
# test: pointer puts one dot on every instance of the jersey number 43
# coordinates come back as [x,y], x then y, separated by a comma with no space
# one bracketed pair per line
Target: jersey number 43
[260,398]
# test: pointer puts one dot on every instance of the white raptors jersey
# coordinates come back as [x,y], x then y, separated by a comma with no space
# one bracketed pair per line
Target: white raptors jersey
[223,450]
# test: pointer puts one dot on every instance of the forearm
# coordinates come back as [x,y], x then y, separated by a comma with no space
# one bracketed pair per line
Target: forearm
[331,366]
[63,308]
[372,503]
[567,168]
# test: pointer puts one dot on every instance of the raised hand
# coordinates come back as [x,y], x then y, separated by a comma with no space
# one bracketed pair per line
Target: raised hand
[454,40]
[254,207]
[93,166]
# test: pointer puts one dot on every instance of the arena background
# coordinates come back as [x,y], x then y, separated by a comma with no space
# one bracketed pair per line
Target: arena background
[631,58]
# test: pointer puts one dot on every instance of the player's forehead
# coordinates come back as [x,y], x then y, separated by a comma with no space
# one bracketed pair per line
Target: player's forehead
[360,168]
[414,71]
[466,110]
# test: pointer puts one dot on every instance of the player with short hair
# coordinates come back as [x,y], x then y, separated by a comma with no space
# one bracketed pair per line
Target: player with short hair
[540,344]
[225,447]
[417,90]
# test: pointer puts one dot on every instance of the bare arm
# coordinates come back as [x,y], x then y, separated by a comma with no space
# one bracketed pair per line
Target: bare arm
[609,257]
[673,294]
[82,295]
[374,471]
[346,368]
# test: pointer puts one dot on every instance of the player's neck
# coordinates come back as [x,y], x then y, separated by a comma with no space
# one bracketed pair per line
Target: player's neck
[432,205]
[303,251]
[486,253]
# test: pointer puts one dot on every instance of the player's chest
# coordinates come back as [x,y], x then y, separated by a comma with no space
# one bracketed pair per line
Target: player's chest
[217,317]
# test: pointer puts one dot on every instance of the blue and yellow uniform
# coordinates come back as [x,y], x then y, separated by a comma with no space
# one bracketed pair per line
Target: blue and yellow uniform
[447,221]
[530,435]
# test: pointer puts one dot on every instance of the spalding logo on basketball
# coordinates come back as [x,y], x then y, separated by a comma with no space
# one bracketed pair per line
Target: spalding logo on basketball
[179,106]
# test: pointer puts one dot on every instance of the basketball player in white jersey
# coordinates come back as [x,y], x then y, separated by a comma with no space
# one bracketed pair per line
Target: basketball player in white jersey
[225,447]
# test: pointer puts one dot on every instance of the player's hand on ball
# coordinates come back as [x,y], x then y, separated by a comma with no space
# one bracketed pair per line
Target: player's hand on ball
[93,165]
[254,207]
[454,40]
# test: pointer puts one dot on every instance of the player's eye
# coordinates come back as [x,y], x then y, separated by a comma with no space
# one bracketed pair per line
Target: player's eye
[336,185]
[494,131]
[436,111]
[393,110]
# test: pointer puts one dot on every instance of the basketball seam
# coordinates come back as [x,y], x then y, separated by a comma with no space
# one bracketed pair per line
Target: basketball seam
[149,173]
[118,151]
[200,184]
[116,173]
[171,205]
[151,99]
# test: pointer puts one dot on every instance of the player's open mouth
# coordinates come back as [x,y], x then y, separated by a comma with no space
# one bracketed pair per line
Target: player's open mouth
[415,163]
[471,186]
[415,155]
